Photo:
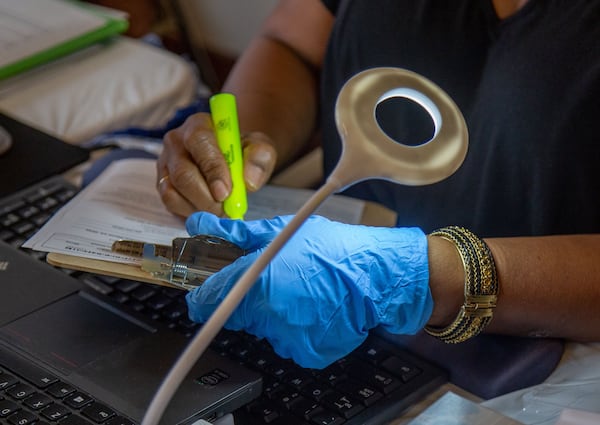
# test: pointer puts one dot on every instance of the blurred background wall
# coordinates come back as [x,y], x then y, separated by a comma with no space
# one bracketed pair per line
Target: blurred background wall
[212,32]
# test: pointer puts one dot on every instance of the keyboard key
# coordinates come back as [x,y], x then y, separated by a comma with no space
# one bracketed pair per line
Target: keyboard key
[316,390]
[299,378]
[286,396]
[381,380]
[333,375]
[55,412]
[279,368]
[96,284]
[22,417]
[9,219]
[40,219]
[23,228]
[158,302]
[136,305]
[60,390]
[78,399]
[306,408]
[270,386]
[401,368]
[20,391]
[109,280]
[37,401]
[125,286]
[7,408]
[323,417]
[372,353]
[264,361]
[7,380]
[344,405]
[174,312]
[366,394]
[65,195]
[28,211]
[143,292]
[47,203]
[98,412]
[120,297]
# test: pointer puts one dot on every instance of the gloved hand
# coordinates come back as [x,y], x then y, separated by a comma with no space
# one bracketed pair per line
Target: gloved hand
[331,283]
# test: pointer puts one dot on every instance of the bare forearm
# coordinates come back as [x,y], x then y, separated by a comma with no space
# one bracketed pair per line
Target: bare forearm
[549,286]
[276,80]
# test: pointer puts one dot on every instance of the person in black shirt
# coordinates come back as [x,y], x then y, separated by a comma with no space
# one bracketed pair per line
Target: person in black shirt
[526,76]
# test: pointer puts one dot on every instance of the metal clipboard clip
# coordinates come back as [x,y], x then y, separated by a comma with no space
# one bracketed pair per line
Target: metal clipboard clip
[187,263]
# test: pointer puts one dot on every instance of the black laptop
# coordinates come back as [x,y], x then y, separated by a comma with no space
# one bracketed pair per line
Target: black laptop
[58,334]
[33,156]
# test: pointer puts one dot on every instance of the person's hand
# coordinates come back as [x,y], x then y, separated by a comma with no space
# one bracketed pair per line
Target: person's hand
[331,283]
[192,174]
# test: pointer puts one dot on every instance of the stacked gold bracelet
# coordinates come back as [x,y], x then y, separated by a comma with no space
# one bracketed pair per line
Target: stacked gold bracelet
[481,286]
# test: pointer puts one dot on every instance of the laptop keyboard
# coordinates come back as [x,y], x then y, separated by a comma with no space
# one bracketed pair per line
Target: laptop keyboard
[373,384]
[31,395]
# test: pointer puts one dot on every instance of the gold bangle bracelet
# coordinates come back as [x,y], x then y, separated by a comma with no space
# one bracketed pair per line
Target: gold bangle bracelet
[481,286]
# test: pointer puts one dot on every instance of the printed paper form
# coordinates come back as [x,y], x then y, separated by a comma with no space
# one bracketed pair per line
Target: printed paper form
[31,26]
[122,203]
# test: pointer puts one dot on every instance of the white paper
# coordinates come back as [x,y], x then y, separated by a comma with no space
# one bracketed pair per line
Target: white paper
[122,203]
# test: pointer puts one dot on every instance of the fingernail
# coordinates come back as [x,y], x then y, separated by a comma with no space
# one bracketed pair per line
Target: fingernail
[254,176]
[219,190]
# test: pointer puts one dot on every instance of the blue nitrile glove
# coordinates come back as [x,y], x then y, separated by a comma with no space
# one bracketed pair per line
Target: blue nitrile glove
[331,283]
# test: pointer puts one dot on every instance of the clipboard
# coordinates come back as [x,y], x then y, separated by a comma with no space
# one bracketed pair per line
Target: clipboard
[373,214]
[25,55]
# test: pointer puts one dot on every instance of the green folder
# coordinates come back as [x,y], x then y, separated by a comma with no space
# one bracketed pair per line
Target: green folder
[112,25]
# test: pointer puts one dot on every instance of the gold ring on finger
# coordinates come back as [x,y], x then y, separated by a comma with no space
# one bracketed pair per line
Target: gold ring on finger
[163,179]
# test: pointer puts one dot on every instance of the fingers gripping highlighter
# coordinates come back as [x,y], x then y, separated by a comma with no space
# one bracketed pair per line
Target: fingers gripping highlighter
[367,152]
[225,122]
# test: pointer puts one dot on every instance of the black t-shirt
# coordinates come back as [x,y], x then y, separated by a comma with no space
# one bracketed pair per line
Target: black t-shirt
[528,87]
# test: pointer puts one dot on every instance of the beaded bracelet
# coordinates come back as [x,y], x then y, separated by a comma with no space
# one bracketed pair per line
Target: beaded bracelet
[481,286]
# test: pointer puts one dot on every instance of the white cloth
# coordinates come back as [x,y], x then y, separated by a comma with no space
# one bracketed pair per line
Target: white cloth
[113,85]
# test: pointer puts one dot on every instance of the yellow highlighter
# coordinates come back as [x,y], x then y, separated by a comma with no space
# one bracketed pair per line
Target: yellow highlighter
[225,122]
